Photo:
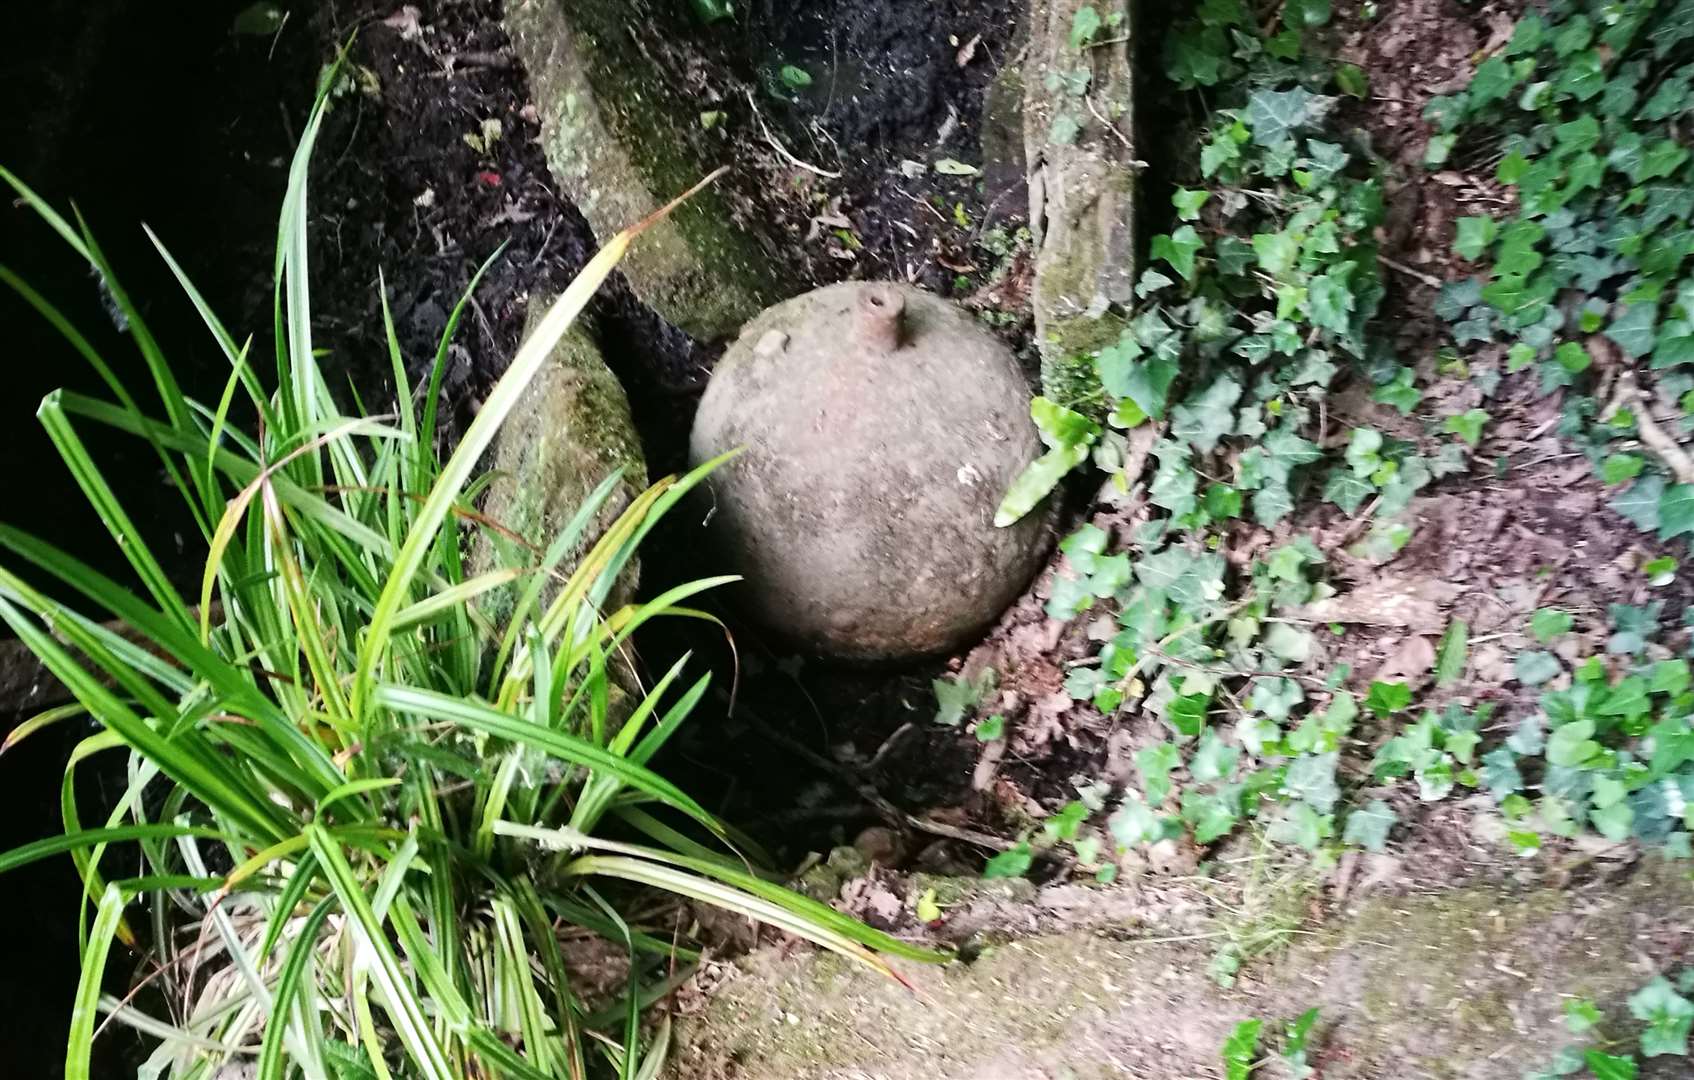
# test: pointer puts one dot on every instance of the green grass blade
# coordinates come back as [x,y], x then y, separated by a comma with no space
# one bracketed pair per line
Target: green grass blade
[40,720]
[49,846]
[111,511]
[555,743]
[85,1008]
[287,986]
[401,1002]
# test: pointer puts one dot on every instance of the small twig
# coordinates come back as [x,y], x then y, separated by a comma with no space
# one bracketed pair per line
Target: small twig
[889,743]
[1088,99]
[847,776]
[1428,279]
[1653,437]
[952,832]
[1356,526]
[783,150]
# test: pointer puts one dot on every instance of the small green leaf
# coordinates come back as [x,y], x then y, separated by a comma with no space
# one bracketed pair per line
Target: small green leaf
[1534,667]
[1368,826]
[1636,330]
[1451,654]
[1277,252]
[927,909]
[1618,468]
[1084,25]
[1276,115]
[795,78]
[956,697]
[991,729]
[1668,1016]
[1352,81]
[1440,148]
[1572,357]
[953,167]
[1475,236]
[1188,203]
[1467,426]
[1609,1067]
[1549,623]
[1401,392]
[1572,744]
[1207,417]
[1014,863]
[1581,1015]
[1178,248]
[1301,826]
[1241,1050]
[1387,698]
[260,20]
[1676,511]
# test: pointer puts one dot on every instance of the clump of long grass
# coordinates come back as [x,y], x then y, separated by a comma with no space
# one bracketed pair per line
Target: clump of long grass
[359,816]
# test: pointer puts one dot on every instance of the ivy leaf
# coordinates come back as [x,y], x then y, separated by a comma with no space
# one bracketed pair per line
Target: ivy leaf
[1156,763]
[1606,1066]
[1331,300]
[1286,450]
[1272,503]
[1401,392]
[1276,697]
[1581,1016]
[1084,25]
[1178,248]
[1188,203]
[1500,772]
[1347,490]
[1549,623]
[1451,654]
[1676,511]
[956,697]
[1145,381]
[1211,816]
[1620,467]
[1475,236]
[1439,149]
[1352,81]
[1010,864]
[1276,115]
[1204,419]
[1636,329]
[1277,252]
[1640,503]
[1533,668]
[1386,698]
[1668,1016]
[1241,1050]
[1311,778]
[1213,759]
[1175,484]
[1304,14]
[1368,826]
[1187,713]
[1572,744]
[1467,426]
[1300,825]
